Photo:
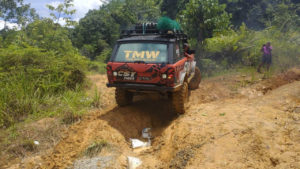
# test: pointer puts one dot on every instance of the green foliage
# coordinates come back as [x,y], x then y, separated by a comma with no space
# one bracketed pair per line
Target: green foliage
[100,22]
[30,75]
[228,48]
[208,66]
[286,49]
[63,11]
[259,14]
[143,10]
[49,36]
[104,56]
[42,72]
[168,8]
[96,98]
[243,48]
[10,37]
[285,16]
[106,24]
[16,10]
[249,12]
[202,18]
[97,67]
[171,8]
[88,50]
[43,34]
[165,23]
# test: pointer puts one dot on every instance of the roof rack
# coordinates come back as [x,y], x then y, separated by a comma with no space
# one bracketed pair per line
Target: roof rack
[147,29]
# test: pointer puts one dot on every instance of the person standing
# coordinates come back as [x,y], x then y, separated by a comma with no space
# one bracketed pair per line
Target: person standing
[187,51]
[267,56]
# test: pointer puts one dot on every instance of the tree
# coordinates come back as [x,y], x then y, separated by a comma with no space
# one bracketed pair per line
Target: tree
[98,31]
[95,32]
[63,11]
[284,15]
[143,10]
[45,34]
[171,8]
[244,11]
[259,14]
[202,18]
[16,11]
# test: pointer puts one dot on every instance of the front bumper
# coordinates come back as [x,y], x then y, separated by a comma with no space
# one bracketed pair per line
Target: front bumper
[145,87]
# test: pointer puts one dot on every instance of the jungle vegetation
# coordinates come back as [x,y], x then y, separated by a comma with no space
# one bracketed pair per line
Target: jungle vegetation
[43,65]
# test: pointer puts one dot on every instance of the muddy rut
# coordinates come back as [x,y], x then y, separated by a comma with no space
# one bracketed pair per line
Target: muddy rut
[227,125]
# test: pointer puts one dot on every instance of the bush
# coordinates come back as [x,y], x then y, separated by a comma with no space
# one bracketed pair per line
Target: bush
[208,67]
[243,48]
[234,47]
[30,76]
[104,56]
[98,67]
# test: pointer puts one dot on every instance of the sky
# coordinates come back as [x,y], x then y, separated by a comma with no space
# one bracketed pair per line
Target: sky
[81,6]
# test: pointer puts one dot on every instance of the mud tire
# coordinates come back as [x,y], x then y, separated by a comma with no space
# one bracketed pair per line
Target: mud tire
[180,99]
[123,97]
[194,83]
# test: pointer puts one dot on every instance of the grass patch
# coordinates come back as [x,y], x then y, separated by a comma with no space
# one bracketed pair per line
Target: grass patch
[97,67]
[96,98]
[222,114]
[95,148]
[29,145]
[33,81]
[23,146]
[68,105]
[70,117]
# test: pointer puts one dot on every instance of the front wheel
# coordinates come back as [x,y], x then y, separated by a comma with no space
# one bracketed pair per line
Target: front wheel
[180,99]
[123,97]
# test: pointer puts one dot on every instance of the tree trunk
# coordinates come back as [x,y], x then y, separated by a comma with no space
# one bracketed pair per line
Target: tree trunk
[199,50]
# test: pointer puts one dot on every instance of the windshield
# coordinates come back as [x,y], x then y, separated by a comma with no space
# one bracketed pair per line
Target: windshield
[145,52]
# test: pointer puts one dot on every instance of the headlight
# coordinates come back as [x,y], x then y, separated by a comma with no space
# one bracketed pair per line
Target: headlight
[115,73]
[164,76]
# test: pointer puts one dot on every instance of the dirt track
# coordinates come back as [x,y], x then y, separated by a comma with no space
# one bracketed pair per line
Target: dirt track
[227,125]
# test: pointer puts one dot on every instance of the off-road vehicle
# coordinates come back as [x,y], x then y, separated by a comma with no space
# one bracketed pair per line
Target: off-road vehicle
[149,60]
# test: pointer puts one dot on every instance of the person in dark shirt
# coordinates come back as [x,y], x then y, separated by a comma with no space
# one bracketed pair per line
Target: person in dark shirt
[267,56]
[187,51]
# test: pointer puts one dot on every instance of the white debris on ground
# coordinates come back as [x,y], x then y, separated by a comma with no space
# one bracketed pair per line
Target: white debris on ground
[133,162]
[136,143]
[146,133]
[36,142]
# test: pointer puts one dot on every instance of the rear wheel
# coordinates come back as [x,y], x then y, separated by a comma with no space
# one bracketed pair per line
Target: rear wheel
[123,97]
[180,99]
[194,83]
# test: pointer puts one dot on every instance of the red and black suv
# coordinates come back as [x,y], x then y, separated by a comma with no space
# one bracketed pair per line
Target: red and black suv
[153,61]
